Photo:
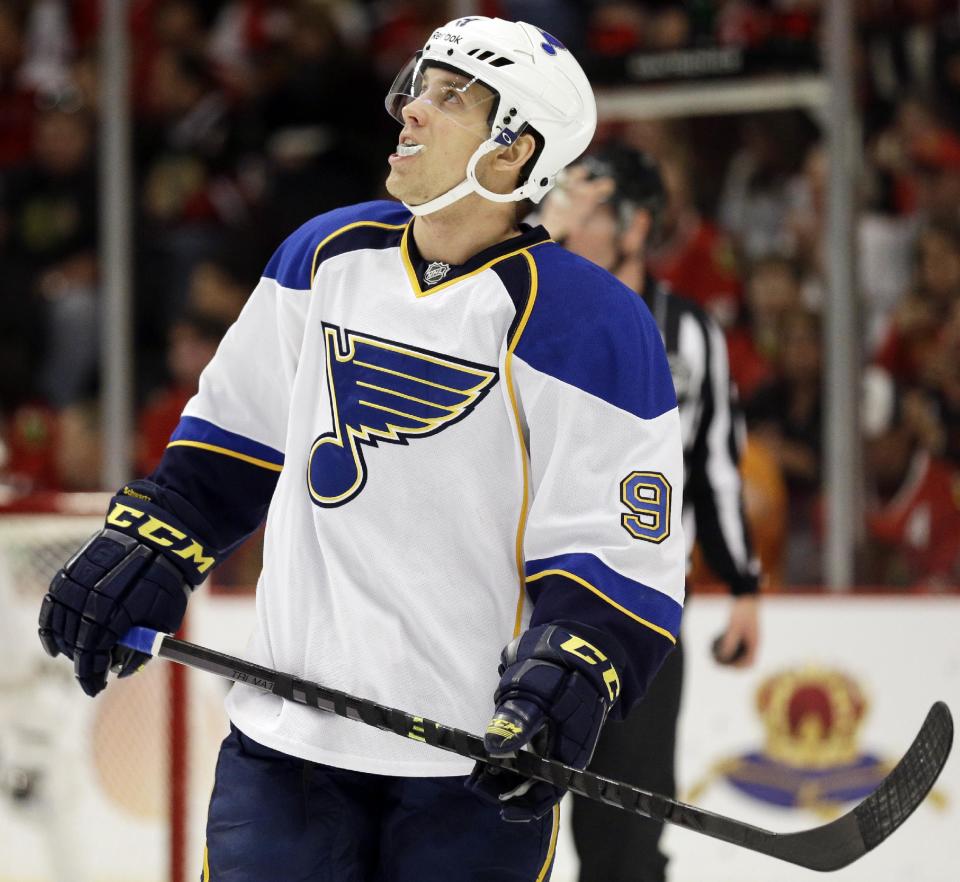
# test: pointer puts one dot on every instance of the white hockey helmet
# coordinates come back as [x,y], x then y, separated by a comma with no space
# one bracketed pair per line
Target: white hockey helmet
[538,85]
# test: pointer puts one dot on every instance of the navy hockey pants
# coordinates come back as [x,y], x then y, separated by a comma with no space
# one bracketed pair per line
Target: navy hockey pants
[273,816]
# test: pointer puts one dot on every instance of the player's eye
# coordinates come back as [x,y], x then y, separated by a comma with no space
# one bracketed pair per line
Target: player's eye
[450,94]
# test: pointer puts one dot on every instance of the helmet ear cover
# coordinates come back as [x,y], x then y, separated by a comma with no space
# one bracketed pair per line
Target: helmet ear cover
[529,165]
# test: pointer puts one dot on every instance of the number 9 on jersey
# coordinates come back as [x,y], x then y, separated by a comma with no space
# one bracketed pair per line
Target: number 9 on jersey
[647,495]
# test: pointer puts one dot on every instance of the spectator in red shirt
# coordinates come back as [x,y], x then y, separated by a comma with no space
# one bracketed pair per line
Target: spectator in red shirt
[52,451]
[192,342]
[29,439]
[942,380]
[919,320]
[935,156]
[913,497]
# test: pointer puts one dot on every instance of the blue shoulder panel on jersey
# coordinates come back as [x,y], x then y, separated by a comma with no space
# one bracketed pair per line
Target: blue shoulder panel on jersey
[293,262]
[589,330]
[647,606]
[195,432]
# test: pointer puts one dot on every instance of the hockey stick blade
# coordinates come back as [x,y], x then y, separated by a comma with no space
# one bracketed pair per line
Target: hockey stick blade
[825,848]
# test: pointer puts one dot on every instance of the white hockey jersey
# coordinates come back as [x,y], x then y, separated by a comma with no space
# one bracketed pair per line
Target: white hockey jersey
[456,451]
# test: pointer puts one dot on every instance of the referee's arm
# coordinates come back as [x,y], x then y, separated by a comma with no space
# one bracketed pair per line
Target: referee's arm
[714,487]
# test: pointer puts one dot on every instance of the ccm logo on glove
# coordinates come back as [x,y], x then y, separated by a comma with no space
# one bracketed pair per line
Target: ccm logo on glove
[160,534]
[138,570]
[575,645]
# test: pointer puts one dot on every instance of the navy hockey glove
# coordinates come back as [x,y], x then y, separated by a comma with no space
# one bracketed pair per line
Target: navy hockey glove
[556,687]
[138,570]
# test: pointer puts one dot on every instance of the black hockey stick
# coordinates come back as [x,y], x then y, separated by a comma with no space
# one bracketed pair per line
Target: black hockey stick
[828,847]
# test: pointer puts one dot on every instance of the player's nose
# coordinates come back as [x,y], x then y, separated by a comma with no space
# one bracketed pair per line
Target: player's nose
[415,113]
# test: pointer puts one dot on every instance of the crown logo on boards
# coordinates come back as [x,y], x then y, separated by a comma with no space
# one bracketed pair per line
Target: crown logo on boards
[811,757]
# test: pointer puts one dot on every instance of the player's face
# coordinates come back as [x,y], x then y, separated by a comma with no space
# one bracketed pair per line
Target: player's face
[448,118]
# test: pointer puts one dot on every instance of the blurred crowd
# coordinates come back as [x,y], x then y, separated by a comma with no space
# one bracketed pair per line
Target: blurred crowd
[251,116]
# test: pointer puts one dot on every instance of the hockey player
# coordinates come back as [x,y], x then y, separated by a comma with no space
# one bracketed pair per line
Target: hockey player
[607,212]
[462,437]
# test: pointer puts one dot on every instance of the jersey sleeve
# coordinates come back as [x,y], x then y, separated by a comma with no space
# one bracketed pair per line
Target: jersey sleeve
[224,458]
[603,543]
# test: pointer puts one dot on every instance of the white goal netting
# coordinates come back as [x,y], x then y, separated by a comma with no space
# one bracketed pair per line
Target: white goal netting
[90,790]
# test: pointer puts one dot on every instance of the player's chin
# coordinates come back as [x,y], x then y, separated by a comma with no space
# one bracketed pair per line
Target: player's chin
[394,184]
[401,187]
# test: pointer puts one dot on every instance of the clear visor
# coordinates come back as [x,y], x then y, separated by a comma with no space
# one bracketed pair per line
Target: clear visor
[464,99]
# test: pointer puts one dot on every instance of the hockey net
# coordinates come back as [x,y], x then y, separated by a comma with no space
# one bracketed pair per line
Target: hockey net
[88,789]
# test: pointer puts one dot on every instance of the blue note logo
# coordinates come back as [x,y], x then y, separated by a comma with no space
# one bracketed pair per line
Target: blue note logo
[381,390]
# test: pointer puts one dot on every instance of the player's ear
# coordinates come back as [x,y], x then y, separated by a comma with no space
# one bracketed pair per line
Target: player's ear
[514,157]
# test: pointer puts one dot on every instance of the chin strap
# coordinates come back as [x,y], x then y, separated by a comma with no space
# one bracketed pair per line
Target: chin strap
[442,201]
[470,184]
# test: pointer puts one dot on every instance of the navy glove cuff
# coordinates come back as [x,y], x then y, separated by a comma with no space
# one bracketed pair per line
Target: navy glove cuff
[573,648]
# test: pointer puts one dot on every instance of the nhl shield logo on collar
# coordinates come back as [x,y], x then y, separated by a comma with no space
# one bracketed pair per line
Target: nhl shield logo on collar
[435,272]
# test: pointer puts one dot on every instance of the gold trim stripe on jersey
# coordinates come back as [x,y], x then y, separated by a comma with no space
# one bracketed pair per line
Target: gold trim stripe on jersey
[581,581]
[343,229]
[213,448]
[524,455]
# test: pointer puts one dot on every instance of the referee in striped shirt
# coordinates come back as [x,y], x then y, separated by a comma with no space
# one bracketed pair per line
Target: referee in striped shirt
[607,210]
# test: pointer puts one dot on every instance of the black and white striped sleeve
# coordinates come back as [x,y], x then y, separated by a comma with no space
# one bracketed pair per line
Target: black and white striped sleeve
[714,489]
